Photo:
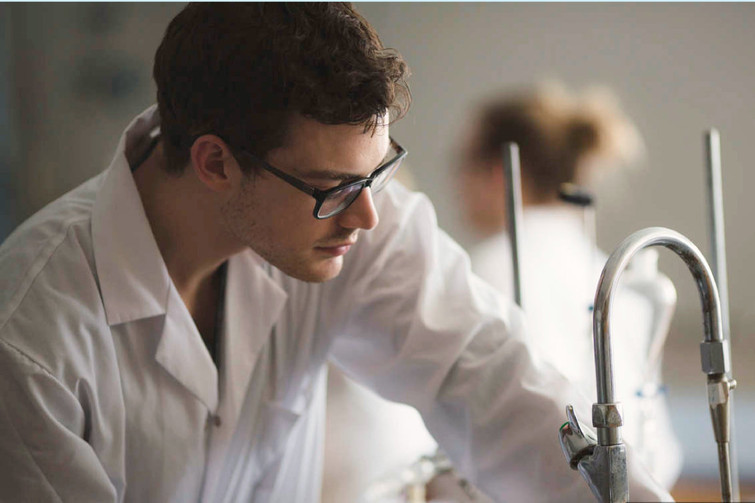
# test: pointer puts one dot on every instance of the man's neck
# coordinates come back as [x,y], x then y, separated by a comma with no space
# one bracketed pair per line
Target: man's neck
[186,222]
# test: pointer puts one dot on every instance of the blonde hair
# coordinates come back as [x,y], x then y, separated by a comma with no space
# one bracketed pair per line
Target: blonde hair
[560,135]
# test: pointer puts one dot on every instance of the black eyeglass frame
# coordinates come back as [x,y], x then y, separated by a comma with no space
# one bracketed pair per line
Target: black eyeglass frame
[321,195]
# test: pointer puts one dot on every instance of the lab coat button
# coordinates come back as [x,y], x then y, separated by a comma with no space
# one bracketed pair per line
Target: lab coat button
[213,420]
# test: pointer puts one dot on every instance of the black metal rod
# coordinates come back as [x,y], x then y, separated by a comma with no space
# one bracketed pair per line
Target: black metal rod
[513,193]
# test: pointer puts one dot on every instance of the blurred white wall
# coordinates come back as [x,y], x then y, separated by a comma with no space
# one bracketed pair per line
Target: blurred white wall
[78,73]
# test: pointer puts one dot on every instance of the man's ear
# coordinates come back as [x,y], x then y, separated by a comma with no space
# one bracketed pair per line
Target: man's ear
[213,162]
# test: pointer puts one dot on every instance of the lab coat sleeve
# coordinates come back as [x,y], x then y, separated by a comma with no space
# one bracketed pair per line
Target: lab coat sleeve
[414,324]
[43,455]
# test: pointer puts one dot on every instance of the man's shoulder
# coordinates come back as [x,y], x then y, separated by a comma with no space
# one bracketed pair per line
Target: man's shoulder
[51,223]
[48,283]
[404,238]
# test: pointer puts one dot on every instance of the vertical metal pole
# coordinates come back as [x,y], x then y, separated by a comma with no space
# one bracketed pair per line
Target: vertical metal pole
[718,263]
[512,177]
[716,223]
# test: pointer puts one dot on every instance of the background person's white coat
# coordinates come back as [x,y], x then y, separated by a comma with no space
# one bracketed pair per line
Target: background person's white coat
[560,267]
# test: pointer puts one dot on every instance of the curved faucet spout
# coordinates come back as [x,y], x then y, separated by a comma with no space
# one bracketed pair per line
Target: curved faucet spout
[617,262]
[714,351]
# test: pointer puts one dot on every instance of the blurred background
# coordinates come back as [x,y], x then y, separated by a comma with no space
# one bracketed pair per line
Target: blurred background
[72,75]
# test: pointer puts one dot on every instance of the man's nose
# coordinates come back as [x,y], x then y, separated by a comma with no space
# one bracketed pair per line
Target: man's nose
[361,214]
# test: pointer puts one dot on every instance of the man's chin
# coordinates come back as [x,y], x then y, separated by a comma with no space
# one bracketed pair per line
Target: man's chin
[318,271]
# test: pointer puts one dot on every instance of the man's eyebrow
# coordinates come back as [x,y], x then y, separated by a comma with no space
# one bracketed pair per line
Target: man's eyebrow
[327,174]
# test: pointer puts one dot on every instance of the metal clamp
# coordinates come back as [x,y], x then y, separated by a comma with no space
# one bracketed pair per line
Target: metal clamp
[607,415]
[714,356]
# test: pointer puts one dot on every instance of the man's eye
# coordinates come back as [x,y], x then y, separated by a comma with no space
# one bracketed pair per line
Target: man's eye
[327,185]
[321,183]
[342,183]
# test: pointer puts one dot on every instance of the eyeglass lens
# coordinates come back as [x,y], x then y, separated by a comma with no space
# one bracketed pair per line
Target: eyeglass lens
[342,199]
[339,201]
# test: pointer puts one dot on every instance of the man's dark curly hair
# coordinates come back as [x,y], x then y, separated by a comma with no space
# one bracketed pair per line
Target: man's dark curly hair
[241,71]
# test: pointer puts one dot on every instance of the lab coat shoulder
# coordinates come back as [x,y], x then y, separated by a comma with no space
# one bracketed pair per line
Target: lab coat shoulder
[53,336]
[406,218]
[407,305]
[407,243]
[50,306]
[491,260]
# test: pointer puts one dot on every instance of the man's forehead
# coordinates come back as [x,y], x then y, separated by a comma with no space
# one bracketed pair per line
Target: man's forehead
[343,170]
[337,151]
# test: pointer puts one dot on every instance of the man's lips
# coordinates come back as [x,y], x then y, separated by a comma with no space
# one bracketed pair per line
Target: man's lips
[336,249]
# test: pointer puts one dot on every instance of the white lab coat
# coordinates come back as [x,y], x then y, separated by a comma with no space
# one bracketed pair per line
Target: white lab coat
[107,392]
[560,267]
[368,441]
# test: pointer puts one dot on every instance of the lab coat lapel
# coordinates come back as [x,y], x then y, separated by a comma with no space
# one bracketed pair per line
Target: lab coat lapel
[183,354]
[132,275]
[134,281]
[253,304]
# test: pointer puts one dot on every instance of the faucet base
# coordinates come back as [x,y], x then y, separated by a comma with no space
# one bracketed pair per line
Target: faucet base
[606,473]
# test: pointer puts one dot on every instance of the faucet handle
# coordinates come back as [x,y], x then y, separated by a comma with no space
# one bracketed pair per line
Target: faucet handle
[573,421]
[575,444]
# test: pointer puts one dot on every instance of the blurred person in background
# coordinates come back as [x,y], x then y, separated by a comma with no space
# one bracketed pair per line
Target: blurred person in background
[567,142]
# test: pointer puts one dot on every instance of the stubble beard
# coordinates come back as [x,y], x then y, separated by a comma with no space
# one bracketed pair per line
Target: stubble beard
[236,217]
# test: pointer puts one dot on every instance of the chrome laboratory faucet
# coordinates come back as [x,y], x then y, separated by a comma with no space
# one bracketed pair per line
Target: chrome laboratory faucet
[602,461]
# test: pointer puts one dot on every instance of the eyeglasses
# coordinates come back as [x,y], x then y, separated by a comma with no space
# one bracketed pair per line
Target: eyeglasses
[333,201]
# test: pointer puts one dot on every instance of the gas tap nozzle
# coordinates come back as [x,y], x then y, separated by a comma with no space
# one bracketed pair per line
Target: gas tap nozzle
[575,443]
[600,466]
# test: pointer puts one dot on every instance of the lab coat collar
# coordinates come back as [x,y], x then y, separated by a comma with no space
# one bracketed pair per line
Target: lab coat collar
[254,302]
[134,280]
[183,354]
[135,284]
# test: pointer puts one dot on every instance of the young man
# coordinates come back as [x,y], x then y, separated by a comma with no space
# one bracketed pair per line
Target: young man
[164,327]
